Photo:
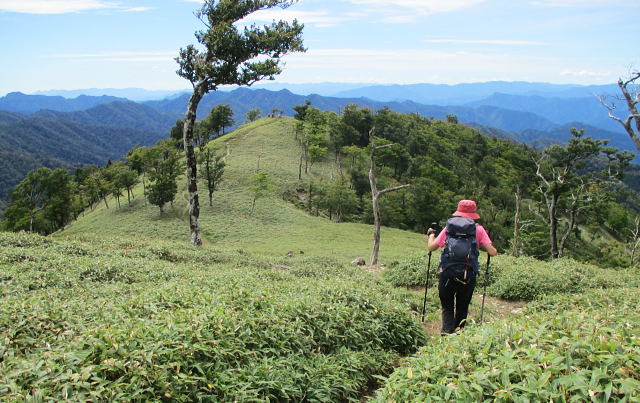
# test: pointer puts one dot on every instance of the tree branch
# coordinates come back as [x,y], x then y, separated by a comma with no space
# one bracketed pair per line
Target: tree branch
[393,189]
[384,146]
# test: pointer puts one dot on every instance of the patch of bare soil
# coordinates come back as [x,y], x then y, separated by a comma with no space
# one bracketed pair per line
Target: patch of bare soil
[375,269]
[494,308]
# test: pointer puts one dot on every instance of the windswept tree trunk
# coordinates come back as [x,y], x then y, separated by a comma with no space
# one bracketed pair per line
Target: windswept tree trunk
[192,164]
[375,198]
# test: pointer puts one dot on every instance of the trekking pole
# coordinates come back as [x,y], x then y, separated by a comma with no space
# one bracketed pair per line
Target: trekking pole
[426,287]
[486,278]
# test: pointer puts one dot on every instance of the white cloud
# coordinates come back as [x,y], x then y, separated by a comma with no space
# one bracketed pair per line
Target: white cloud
[137,9]
[62,6]
[318,18]
[421,7]
[420,65]
[585,73]
[485,41]
[117,56]
[585,3]
[52,6]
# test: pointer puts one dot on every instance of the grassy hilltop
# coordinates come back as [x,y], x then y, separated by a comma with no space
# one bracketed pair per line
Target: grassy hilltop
[276,226]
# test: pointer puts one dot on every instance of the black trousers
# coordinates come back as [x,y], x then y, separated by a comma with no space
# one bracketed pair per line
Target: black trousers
[454,299]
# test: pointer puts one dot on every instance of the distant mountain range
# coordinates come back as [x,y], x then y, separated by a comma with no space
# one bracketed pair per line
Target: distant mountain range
[133,94]
[54,131]
[23,103]
[460,94]
[511,123]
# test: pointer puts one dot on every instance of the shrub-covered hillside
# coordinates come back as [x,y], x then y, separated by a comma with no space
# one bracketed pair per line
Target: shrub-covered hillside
[113,319]
[275,227]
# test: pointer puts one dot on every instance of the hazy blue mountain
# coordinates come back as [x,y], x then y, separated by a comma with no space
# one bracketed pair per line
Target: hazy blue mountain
[243,99]
[117,114]
[134,94]
[443,94]
[326,89]
[562,133]
[587,110]
[8,117]
[23,103]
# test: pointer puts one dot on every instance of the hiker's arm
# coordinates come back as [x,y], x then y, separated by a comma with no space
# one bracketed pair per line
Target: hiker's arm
[491,250]
[434,242]
[432,245]
[485,241]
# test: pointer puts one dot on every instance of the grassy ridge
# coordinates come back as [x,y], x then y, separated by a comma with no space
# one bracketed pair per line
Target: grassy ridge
[112,319]
[275,228]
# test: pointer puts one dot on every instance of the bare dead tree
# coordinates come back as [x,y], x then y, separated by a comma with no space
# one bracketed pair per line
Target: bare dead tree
[630,89]
[580,200]
[634,243]
[375,196]
[515,243]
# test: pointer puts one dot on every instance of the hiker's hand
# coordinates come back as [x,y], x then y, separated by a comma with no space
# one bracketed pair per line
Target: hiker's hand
[431,231]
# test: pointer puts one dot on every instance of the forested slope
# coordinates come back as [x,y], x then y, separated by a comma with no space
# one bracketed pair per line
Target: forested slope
[50,139]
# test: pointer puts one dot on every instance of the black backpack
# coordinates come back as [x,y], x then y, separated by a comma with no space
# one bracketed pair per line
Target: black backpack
[459,259]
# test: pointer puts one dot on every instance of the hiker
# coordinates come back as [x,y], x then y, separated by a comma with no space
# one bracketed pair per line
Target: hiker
[459,263]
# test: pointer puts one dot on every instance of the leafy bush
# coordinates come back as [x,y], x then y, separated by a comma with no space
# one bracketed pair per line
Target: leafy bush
[522,278]
[411,271]
[115,320]
[526,278]
[566,348]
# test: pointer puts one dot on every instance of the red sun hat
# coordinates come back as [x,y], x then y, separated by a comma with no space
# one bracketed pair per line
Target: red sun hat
[467,208]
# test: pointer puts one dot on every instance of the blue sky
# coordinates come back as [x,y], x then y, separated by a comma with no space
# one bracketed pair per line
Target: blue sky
[72,44]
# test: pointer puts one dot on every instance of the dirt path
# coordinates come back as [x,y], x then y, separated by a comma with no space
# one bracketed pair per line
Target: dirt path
[495,308]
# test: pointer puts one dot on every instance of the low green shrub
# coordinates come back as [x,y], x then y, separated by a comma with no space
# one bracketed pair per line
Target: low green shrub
[115,320]
[411,271]
[522,278]
[526,279]
[565,348]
